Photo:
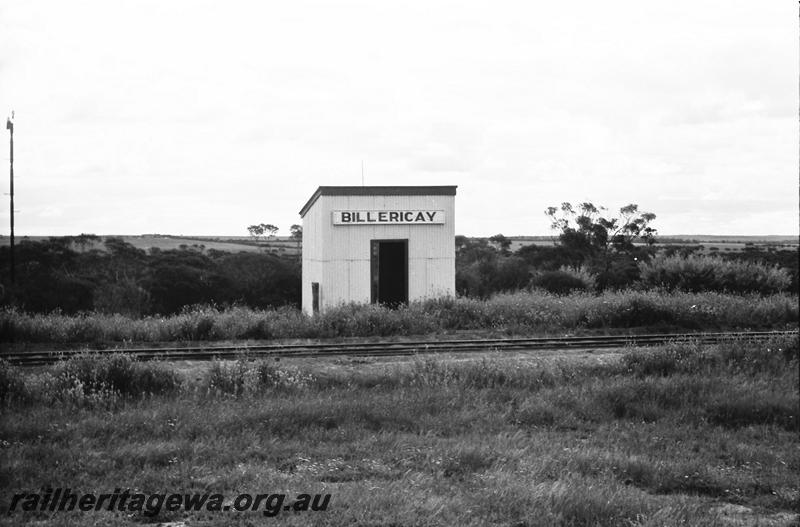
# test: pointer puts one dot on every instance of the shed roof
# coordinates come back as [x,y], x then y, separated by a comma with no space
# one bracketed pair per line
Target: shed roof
[449,190]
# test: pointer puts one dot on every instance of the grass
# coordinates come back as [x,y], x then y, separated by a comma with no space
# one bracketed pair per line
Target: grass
[662,436]
[517,314]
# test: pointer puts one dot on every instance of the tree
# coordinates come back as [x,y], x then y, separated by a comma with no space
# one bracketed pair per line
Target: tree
[297,234]
[256,231]
[85,240]
[482,269]
[297,231]
[261,229]
[605,244]
[469,250]
[260,280]
[269,229]
[176,278]
[501,243]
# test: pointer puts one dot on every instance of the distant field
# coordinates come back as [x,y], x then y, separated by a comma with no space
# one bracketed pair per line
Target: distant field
[709,242]
[287,245]
[167,242]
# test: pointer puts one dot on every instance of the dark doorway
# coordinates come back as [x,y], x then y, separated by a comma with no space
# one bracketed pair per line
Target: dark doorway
[389,268]
[315,297]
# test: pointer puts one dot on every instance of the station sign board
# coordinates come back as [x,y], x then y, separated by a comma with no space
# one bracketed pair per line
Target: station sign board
[388,217]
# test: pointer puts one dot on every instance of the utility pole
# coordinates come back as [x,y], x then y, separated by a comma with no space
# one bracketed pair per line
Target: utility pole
[10,128]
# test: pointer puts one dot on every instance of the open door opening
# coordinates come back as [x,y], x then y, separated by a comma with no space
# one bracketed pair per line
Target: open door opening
[389,269]
[315,297]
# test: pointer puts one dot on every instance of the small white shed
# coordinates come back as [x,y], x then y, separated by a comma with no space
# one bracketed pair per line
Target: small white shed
[387,245]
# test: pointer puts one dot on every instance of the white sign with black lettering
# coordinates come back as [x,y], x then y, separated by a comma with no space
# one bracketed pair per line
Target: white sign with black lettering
[388,217]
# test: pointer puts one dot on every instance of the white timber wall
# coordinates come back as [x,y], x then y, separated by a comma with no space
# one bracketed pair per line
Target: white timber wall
[312,255]
[338,256]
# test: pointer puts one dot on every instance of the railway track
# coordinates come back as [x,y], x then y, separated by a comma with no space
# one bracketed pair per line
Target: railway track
[378,349]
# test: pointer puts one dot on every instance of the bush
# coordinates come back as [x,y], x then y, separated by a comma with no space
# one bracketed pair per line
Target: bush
[232,379]
[695,274]
[633,310]
[563,281]
[490,275]
[243,377]
[118,373]
[89,379]
[124,279]
[12,385]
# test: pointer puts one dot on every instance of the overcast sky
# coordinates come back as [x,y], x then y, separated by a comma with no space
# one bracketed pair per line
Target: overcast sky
[204,117]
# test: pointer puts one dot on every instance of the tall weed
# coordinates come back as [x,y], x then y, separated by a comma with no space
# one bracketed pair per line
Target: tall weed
[243,378]
[12,383]
[89,379]
[518,313]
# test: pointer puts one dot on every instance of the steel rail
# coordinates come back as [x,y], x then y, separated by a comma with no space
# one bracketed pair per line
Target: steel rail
[378,349]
